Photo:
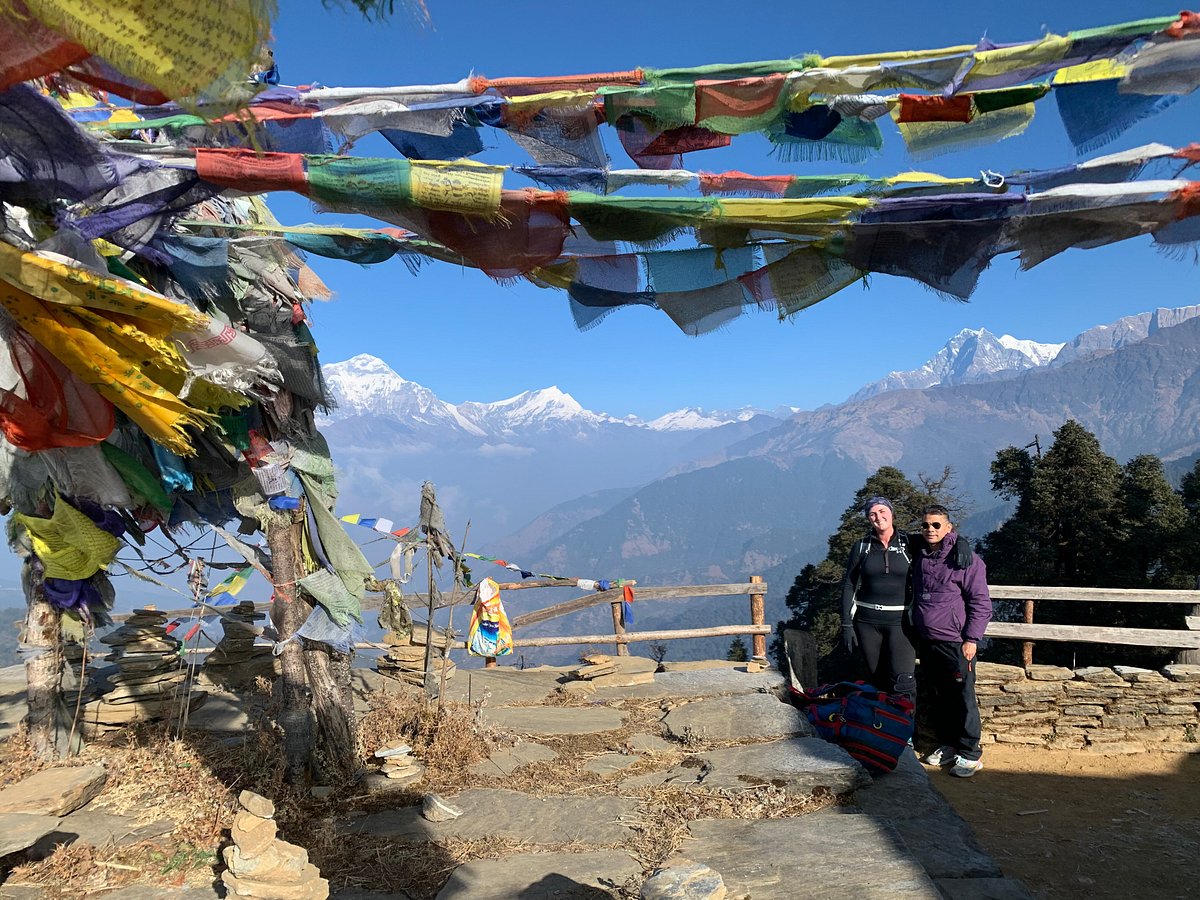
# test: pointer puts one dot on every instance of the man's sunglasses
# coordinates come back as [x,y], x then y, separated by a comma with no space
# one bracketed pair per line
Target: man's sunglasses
[936,526]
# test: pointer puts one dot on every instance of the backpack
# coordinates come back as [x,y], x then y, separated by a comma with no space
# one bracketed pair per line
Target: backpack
[872,726]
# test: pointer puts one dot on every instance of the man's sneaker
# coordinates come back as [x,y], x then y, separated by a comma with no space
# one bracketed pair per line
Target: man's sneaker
[942,756]
[965,768]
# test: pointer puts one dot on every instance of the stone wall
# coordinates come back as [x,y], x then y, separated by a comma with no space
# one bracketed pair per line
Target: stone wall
[1119,710]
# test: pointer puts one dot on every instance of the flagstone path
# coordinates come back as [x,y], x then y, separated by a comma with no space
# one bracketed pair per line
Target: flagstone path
[717,733]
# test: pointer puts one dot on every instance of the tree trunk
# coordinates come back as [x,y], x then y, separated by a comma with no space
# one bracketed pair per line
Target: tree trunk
[42,638]
[283,538]
[335,727]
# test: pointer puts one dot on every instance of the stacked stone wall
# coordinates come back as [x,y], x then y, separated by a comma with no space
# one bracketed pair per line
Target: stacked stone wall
[1119,710]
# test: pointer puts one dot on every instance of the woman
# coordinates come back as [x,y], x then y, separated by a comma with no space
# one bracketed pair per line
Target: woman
[874,602]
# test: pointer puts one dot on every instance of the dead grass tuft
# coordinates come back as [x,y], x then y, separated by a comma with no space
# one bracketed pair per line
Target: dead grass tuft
[447,741]
[80,869]
[17,759]
[667,812]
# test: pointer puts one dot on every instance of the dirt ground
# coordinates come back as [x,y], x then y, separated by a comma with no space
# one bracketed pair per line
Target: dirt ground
[1078,824]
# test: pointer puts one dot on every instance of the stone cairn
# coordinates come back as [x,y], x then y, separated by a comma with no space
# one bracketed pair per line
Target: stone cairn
[404,658]
[1122,709]
[261,865]
[237,661]
[150,680]
[398,765]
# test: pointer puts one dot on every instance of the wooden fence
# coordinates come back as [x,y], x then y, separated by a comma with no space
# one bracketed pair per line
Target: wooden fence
[755,589]
[1186,640]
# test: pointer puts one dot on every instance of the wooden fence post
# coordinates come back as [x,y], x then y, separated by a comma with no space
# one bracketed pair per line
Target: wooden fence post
[1027,646]
[757,614]
[1190,656]
[619,627]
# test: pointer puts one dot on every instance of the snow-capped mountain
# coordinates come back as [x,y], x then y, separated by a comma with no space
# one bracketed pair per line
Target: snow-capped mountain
[367,386]
[693,418]
[546,409]
[972,355]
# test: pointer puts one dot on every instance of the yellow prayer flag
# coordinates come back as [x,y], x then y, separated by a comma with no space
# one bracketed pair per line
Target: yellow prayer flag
[185,48]
[456,186]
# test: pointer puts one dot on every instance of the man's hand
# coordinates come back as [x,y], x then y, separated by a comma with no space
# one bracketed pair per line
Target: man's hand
[969,648]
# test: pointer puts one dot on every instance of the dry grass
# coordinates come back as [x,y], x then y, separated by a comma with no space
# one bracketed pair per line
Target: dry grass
[195,783]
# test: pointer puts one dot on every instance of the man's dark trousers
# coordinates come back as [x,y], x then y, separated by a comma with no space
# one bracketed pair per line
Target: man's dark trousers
[953,706]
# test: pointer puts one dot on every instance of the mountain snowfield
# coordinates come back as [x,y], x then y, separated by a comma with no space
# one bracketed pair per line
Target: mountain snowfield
[366,386]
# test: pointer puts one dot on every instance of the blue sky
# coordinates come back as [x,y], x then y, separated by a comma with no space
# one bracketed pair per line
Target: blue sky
[469,338]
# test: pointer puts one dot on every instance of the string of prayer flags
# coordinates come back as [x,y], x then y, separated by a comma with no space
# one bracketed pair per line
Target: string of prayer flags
[386,526]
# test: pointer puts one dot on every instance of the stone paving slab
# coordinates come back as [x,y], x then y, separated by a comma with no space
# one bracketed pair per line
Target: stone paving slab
[497,813]
[651,743]
[816,856]
[610,763]
[54,792]
[99,828]
[752,717]
[554,719]
[20,831]
[690,684]
[935,834]
[220,712]
[508,760]
[542,876]
[795,764]
[504,685]
[983,889]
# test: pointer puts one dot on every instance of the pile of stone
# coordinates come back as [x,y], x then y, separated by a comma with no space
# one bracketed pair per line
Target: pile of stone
[398,765]
[261,865]
[600,670]
[1108,710]
[237,660]
[150,683]
[405,657]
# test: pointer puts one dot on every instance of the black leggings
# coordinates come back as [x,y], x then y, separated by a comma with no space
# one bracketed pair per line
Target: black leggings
[891,657]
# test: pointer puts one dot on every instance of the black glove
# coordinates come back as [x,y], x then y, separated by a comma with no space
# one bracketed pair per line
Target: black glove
[849,638]
[963,554]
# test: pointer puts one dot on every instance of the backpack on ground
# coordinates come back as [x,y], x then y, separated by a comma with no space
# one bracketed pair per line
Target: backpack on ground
[872,726]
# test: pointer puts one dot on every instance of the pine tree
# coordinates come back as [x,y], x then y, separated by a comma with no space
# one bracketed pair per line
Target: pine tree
[1153,529]
[737,650]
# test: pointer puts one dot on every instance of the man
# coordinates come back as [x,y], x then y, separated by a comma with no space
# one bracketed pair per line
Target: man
[951,610]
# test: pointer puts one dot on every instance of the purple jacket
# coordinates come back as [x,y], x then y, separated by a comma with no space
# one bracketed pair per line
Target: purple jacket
[949,604]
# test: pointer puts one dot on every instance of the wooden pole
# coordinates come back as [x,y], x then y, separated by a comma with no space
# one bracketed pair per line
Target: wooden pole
[636,636]
[283,537]
[757,613]
[619,628]
[1027,646]
[42,642]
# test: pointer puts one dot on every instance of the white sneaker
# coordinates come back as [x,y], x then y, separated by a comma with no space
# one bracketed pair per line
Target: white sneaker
[942,756]
[965,768]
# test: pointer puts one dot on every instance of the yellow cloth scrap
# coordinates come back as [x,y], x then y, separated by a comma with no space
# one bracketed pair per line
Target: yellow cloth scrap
[69,544]
[875,59]
[926,178]
[809,214]
[462,186]
[533,103]
[185,48]
[110,333]
[989,63]
[1100,70]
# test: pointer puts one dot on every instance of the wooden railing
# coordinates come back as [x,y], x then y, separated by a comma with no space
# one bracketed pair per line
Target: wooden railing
[1028,631]
[755,589]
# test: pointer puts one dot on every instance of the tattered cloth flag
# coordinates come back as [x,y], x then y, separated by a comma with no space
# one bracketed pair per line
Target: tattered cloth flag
[233,584]
[490,633]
